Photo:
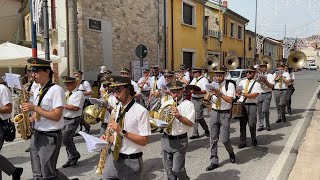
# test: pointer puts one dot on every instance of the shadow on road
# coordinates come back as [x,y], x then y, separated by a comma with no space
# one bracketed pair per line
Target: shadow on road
[197,144]
[20,159]
[230,174]
[150,166]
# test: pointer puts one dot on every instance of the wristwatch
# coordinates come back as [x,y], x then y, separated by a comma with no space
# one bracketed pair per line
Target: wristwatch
[123,132]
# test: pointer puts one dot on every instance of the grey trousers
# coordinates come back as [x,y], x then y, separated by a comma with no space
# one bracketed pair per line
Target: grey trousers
[103,128]
[173,158]
[280,101]
[198,106]
[68,133]
[250,118]
[44,152]
[289,94]
[6,166]
[122,169]
[263,109]
[1,137]
[219,125]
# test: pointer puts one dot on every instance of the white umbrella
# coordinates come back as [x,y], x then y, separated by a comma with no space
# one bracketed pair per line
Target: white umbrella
[16,55]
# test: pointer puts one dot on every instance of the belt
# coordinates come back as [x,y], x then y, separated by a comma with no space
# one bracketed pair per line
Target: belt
[48,132]
[197,97]
[67,118]
[130,156]
[280,89]
[181,136]
[266,92]
[222,111]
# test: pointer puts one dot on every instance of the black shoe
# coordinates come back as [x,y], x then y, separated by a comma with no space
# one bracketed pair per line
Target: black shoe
[194,137]
[212,167]
[161,131]
[232,158]
[74,179]
[260,129]
[289,112]
[268,128]
[278,121]
[284,119]
[67,164]
[17,173]
[242,146]
[207,133]
[27,150]
[87,131]
[254,142]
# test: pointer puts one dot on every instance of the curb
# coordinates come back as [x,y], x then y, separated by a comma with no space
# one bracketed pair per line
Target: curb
[283,165]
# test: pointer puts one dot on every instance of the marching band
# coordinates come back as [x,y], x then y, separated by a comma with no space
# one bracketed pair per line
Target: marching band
[125,115]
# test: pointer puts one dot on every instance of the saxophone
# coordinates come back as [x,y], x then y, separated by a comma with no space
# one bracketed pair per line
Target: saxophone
[22,119]
[104,152]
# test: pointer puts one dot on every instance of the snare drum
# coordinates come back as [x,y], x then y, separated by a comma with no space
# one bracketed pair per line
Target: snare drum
[237,111]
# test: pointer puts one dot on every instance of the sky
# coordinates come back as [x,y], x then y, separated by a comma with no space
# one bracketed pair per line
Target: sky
[301,17]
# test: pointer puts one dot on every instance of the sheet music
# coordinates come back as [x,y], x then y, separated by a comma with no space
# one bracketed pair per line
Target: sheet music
[14,81]
[278,73]
[97,101]
[160,123]
[212,86]
[94,144]
[239,88]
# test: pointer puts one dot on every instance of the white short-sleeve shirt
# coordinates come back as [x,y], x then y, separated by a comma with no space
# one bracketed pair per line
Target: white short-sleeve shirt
[256,89]
[146,87]
[76,99]
[201,82]
[54,98]
[186,109]
[85,85]
[5,98]
[136,87]
[231,93]
[187,76]
[160,82]
[285,75]
[34,86]
[270,79]
[136,121]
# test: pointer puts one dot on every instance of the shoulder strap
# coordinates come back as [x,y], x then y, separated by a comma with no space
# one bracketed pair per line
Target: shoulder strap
[45,90]
[249,91]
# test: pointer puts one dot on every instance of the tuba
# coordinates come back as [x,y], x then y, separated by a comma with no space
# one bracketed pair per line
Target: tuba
[297,59]
[231,62]
[267,60]
[24,124]
[91,114]
[104,152]
[210,62]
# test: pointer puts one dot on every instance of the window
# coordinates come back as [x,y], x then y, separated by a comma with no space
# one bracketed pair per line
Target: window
[206,24]
[187,59]
[250,43]
[188,14]
[239,32]
[232,30]
[225,25]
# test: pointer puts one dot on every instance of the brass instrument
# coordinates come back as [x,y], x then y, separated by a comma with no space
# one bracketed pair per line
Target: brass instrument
[297,59]
[91,114]
[232,62]
[211,61]
[22,119]
[166,113]
[104,152]
[267,60]
[206,101]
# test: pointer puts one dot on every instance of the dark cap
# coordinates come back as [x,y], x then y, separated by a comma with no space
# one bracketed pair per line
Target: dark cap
[175,85]
[281,63]
[146,70]
[263,63]
[120,81]
[155,67]
[68,79]
[252,69]
[219,69]
[168,73]
[124,70]
[196,69]
[108,72]
[77,71]
[183,67]
[37,63]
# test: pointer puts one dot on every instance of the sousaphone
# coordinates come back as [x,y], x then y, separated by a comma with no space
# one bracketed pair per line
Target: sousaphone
[211,61]
[266,60]
[297,59]
[232,62]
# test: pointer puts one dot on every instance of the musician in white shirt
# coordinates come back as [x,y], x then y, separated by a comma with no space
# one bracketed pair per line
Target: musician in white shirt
[125,72]
[156,82]
[290,89]
[5,110]
[174,141]
[248,96]
[267,82]
[144,84]
[196,99]
[282,80]
[220,117]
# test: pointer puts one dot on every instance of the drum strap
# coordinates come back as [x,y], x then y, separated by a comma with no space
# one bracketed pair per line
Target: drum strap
[249,92]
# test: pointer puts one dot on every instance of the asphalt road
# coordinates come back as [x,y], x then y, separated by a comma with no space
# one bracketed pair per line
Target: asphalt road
[251,162]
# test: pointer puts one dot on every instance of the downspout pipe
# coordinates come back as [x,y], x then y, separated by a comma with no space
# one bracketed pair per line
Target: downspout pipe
[172,37]
[165,32]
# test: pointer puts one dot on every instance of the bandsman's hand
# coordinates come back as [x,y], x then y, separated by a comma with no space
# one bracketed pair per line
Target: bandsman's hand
[175,112]
[27,107]
[238,92]
[103,137]
[115,126]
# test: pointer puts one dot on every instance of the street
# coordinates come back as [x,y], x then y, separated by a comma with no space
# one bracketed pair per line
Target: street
[251,162]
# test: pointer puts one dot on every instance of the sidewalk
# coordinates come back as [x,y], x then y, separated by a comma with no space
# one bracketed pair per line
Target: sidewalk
[307,165]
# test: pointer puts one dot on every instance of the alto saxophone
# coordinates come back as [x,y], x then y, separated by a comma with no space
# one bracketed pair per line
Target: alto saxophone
[22,119]
[104,152]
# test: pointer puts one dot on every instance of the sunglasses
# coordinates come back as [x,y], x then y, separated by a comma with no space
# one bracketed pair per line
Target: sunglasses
[175,91]
[251,72]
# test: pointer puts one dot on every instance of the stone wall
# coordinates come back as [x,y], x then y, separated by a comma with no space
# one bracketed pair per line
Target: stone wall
[133,22]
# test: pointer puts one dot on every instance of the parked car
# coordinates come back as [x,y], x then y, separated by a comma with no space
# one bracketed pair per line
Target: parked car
[312,67]
[238,74]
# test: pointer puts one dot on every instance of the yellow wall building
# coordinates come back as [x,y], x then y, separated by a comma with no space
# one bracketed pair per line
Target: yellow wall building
[249,48]
[185,33]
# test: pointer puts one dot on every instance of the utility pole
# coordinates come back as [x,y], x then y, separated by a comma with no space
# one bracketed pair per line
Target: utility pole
[46,29]
[33,32]
[255,34]
[72,31]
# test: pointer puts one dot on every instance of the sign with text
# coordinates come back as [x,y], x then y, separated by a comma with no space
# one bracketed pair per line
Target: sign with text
[136,69]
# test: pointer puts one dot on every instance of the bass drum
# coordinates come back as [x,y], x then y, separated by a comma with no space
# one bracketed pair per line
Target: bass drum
[237,110]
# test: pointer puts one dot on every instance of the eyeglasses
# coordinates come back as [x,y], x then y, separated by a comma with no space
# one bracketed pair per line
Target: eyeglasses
[175,91]
[251,72]
[117,90]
